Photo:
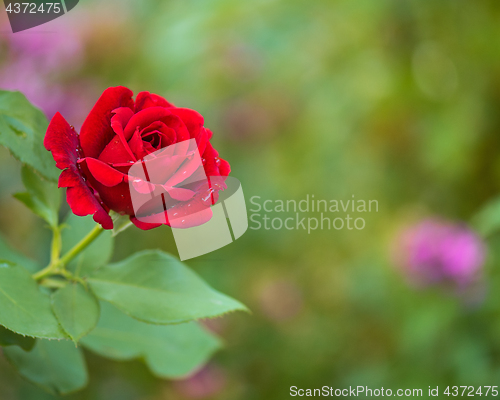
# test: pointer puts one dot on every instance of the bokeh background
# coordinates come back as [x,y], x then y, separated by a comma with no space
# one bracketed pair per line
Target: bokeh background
[392,100]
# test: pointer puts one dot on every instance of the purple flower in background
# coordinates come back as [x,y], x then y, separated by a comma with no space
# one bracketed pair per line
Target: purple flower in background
[73,99]
[50,48]
[36,62]
[436,251]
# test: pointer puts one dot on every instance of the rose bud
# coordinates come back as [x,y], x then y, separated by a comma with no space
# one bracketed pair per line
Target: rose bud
[145,151]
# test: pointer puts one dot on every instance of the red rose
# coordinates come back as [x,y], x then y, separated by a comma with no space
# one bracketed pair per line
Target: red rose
[120,133]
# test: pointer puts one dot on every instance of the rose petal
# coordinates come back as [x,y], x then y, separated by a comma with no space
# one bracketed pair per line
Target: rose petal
[160,169]
[202,140]
[185,214]
[191,220]
[62,141]
[116,198]
[188,167]
[144,118]
[103,173]
[146,100]
[182,221]
[118,122]
[96,131]
[166,134]
[182,133]
[115,152]
[142,186]
[224,167]
[144,225]
[180,194]
[83,202]
[120,118]
[191,118]
[137,145]
[210,155]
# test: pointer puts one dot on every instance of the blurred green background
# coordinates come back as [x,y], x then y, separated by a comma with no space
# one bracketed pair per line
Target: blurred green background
[393,100]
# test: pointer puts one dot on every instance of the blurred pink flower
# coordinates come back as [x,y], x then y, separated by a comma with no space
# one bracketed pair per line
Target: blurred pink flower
[206,383]
[37,60]
[21,75]
[50,48]
[435,251]
[73,100]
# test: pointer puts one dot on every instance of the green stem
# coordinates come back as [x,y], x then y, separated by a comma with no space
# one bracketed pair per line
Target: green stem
[82,245]
[47,271]
[53,283]
[57,266]
[56,245]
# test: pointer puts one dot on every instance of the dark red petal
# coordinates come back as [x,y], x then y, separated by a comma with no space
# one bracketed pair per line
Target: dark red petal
[96,131]
[185,171]
[202,140]
[191,219]
[103,173]
[224,167]
[143,119]
[68,178]
[160,168]
[118,123]
[115,152]
[210,155]
[121,117]
[143,225]
[148,148]
[191,118]
[183,215]
[168,134]
[62,141]
[146,100]
[83,202]
[142,186]
[117,198]
[181,131]
[137,145]
[180,194]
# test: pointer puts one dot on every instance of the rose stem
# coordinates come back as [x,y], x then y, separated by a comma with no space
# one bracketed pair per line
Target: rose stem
[59,265]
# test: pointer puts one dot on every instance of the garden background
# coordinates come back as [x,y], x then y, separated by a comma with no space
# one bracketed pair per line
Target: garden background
[397,101]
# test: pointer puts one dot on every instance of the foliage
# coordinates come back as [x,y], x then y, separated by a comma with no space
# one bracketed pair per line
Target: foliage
[43,309]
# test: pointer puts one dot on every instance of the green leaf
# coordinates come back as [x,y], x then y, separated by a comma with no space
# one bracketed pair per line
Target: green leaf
[6,253]
[9,338]
[22,129]
[170,351]
[96,255]
[56,366]
[43,197]
[120,222]
[24,309]
[76,309]
[154,287]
